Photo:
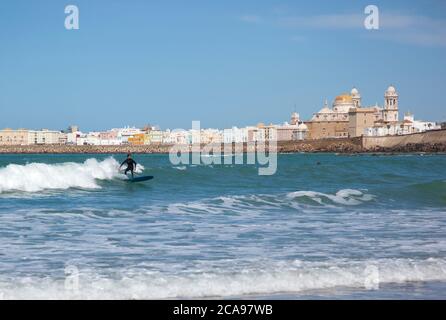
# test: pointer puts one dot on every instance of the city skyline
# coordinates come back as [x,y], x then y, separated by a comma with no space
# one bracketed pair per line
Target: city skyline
[225,65]
[354,95]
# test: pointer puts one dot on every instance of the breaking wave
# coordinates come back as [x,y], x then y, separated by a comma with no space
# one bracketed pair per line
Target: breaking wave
[295,277]
[253,203]
[349,197]
[35,177]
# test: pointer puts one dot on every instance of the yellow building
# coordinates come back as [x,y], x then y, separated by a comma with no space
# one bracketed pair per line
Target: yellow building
[137,139]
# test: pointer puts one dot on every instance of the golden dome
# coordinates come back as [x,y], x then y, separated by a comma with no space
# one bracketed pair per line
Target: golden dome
[344,98]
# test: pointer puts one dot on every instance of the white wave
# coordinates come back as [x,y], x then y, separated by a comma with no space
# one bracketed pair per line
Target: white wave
[182,168]
[257,203]
[349,197]
[36,177]
[293,278]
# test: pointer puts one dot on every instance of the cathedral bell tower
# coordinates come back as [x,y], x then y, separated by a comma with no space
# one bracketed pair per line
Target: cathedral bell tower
[356,97]
[390,112]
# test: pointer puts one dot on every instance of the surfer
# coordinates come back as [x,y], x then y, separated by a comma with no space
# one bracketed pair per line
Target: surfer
[131,164]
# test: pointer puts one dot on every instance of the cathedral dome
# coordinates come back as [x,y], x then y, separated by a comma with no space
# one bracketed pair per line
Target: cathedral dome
[302,126]
[343,103]
[325,110]
[344,98]
[391,90]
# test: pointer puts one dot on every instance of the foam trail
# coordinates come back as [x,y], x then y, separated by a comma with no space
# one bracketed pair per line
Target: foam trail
[296,277]
[35,177]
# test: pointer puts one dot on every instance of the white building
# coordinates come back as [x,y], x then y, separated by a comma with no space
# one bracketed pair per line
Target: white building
[235,135]
[177,136]
[389,124]
[123,134]
[44,136]
[421,126]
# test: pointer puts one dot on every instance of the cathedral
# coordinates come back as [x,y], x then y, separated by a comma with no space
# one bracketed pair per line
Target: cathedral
[348,118]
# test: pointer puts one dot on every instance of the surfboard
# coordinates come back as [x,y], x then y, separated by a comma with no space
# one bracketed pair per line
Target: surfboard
[140,179]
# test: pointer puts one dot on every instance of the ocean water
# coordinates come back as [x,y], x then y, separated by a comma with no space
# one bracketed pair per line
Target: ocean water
[324,226]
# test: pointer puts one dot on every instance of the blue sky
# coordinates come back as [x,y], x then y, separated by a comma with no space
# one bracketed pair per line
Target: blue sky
[221,62]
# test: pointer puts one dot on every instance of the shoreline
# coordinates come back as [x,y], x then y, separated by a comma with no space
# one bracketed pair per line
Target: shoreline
[341,146]
[427,142]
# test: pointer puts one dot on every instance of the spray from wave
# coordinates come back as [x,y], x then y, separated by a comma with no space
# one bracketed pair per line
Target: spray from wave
[35,177]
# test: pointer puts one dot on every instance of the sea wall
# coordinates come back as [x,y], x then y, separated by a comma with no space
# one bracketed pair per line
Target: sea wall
[84,149]
[325,145]
[347,145]
[431,141]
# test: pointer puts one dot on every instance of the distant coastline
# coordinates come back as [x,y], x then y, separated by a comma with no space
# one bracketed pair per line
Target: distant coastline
[427,142]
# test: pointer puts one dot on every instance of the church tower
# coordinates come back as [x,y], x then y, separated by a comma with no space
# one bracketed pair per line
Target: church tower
[356,97]
[294,118]
[390,112]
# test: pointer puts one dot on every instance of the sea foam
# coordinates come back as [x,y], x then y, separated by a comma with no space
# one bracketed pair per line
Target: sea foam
[35,177]
[293,278]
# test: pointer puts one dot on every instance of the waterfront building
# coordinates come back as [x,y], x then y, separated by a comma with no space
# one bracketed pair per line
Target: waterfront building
[14,137]
[44,136]
[73,129]
[295,130]
[138,139]
[109,138]
[123,134]
[331,123]
[211,136]
[154,137]
[408,126]
[362,118]
[72,137]
[63,138]
[421,126]
[169,137]
[235,135]
[389,123]
[177,136]
[92,139]
[348,118]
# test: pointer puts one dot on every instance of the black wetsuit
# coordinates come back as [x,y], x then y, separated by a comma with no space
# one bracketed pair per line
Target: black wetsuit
[131,165]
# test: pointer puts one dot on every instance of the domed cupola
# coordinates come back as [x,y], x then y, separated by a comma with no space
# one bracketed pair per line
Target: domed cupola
[356,97]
